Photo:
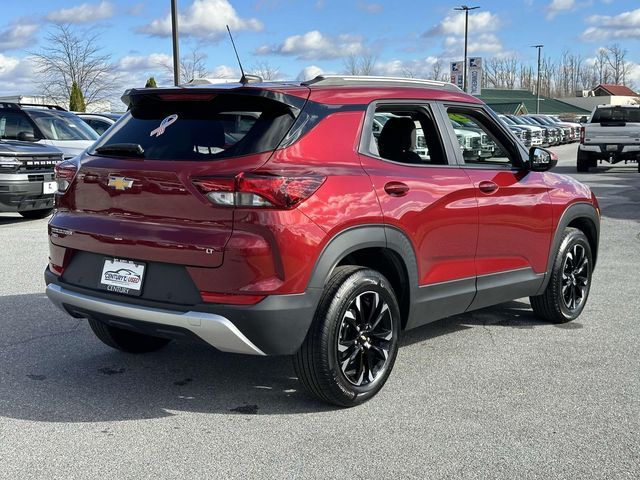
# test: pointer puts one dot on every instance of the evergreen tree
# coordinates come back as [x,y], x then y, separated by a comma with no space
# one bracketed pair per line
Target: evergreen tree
[76,100]
[151,83]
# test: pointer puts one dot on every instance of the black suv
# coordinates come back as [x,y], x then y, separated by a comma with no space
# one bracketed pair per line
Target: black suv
[27,184]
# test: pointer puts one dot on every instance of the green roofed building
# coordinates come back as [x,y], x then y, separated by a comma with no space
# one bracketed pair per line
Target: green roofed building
[517,102]
[508,108]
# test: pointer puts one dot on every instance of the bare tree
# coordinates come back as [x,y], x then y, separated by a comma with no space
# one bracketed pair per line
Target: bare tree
[70,57]
[408,72]
[360,64]
[501,72]
[615,58]
[438,72]
[192,66]
[265,70]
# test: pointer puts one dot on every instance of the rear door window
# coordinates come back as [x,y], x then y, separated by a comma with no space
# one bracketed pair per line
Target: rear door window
[229,125]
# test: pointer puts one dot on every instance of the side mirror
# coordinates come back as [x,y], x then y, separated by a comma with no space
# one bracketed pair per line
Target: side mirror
[541,160]
[26,137]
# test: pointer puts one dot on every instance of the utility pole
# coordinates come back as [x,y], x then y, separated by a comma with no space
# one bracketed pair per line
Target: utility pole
[176,46]
[539,47]
[465,9]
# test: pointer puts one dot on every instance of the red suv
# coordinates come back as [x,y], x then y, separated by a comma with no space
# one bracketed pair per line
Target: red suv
[316,219]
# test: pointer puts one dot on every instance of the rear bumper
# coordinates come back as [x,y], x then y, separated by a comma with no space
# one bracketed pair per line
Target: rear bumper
[601,151]
[275,326]
[22,192]
[214,329]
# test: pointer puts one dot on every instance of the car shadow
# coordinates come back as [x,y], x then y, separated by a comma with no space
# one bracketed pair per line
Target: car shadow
[11,219]
[514,314]
[53,369]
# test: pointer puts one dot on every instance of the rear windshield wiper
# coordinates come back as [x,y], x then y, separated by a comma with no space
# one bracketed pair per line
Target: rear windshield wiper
[122,150]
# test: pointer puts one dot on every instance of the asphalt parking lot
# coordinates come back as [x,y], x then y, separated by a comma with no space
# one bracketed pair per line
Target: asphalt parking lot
[491,394]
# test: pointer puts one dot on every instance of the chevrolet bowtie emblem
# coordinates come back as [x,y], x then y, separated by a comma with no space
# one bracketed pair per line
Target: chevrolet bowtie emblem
[120,183]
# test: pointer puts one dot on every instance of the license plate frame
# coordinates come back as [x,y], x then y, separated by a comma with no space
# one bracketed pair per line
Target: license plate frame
[122,276]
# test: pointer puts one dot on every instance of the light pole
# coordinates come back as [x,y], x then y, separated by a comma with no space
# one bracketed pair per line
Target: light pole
[465,9]
[539,47]
[176,47]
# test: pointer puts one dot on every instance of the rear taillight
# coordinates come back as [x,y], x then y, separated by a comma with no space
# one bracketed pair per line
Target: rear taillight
[65,172]
[259,190]
[56,269]
[582,135]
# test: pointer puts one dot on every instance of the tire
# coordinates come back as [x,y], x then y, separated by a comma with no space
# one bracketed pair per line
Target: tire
[583,163]
[126,340]
[35,214]
[568,289]
[347,357]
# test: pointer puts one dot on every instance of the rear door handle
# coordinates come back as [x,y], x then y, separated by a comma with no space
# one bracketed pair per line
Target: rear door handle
[487,186]
[396,189]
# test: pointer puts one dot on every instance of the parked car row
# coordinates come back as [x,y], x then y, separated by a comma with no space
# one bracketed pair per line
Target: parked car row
[33,139]
[542,130]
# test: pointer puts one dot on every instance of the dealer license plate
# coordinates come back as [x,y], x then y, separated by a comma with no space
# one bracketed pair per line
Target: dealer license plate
[49,187]
[122,276]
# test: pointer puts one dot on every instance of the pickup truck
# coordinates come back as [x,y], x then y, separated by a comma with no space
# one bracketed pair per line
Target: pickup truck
[612,134]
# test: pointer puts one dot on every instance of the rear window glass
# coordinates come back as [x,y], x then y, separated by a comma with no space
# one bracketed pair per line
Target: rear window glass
[229,125]
[616,114]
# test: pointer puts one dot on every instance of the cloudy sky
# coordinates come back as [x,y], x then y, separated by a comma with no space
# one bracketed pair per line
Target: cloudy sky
[303,38]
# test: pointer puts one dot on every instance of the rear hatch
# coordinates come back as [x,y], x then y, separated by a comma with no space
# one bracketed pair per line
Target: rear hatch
[134,195]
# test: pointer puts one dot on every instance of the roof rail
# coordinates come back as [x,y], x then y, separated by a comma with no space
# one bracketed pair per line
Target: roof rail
[42,105]
[207,81]
[18,106]
[348,80]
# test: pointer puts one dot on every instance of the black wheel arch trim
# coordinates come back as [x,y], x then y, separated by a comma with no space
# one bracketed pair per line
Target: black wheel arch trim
[367,236]
[580,210]
[358,238]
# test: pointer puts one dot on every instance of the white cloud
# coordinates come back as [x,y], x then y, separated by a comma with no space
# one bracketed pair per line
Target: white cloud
[482,33]
[370,7]
[480,43]
[422,68]
[225,71]
[307,73]
[17,76]
[137,63]
[314,45]
[84,13]
[625,25]
[18,34]
[453,24]
[557,6]
[203,19]
[136,69]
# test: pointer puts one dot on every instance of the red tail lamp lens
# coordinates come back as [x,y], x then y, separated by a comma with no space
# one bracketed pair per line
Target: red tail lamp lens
[64,173]
[259,190]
